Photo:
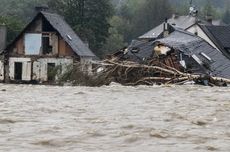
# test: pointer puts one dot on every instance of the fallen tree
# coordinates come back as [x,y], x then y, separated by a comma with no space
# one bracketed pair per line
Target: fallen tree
[132,73]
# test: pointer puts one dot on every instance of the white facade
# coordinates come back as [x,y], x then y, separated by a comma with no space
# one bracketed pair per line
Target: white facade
[36,70]
[40,67]
[26,68]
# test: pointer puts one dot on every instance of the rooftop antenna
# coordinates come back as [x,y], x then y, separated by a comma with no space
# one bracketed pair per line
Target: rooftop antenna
[192,9]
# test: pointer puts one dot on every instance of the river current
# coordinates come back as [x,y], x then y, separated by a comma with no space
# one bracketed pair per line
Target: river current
[114,119]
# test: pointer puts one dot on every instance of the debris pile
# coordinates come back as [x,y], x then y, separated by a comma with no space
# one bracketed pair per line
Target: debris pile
[132,73]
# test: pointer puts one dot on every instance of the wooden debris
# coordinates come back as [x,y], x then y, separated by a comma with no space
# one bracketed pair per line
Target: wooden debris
[132,73]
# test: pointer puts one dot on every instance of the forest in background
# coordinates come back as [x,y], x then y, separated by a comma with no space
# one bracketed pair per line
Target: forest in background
[108,25]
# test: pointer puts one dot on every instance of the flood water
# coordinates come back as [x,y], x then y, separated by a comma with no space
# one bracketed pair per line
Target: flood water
[114,119]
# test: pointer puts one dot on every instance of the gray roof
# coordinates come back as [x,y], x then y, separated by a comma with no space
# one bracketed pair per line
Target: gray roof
[183,22]
[190,45]
[68,34]
[218,34]
[145,50]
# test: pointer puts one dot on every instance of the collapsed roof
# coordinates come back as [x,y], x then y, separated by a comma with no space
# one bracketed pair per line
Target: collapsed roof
[200,51]
[209,59]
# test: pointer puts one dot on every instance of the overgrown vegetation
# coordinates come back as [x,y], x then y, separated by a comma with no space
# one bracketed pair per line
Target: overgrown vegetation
[75,75]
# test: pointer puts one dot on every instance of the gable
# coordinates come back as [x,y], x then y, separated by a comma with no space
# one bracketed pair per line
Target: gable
[55,23]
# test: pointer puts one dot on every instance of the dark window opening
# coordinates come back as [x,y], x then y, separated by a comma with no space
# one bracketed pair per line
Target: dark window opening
[51,71]
[46,47]
[18,71]
[46,26]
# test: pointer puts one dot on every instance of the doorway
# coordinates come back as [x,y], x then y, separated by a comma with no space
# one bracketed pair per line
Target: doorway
[18,70]
[51,72]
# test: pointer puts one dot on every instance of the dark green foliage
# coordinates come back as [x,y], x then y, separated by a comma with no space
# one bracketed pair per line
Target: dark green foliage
[151,14]
[16,13]
[115,41]
[14,26]
[95,22]
[89,18]
[141,16]
[226,17]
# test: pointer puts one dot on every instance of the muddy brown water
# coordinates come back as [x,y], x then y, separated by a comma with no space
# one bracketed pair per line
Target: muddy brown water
[114,119]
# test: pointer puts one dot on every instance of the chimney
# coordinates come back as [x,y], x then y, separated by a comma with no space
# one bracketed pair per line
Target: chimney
[209,18]
[3,36]
[166,28]
[175,16]
[40,8]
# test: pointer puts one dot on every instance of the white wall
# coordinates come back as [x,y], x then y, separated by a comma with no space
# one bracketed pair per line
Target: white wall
[1,71]
[196,29]
[26,68]
[40,67]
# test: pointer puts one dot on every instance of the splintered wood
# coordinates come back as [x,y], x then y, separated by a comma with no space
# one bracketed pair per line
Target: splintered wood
[131,73]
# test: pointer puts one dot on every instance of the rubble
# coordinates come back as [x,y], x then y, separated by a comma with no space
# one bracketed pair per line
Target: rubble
[132,73]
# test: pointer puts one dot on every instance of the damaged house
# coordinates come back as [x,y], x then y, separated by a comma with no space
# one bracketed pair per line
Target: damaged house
[215,32]
[45,43]
[190,23]
[180,50]
[218,37]
[184,43]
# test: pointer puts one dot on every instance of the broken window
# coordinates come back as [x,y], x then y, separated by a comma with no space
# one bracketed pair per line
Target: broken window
[33,44]
[46,47]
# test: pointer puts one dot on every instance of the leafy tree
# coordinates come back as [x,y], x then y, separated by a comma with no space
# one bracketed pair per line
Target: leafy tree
[115,41]
[22,9]
[14,26]
[226,17]
[208,9]
[151,14]
[89,18]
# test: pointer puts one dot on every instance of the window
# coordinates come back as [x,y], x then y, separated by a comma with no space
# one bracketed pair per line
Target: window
[46,47]
[33,44]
